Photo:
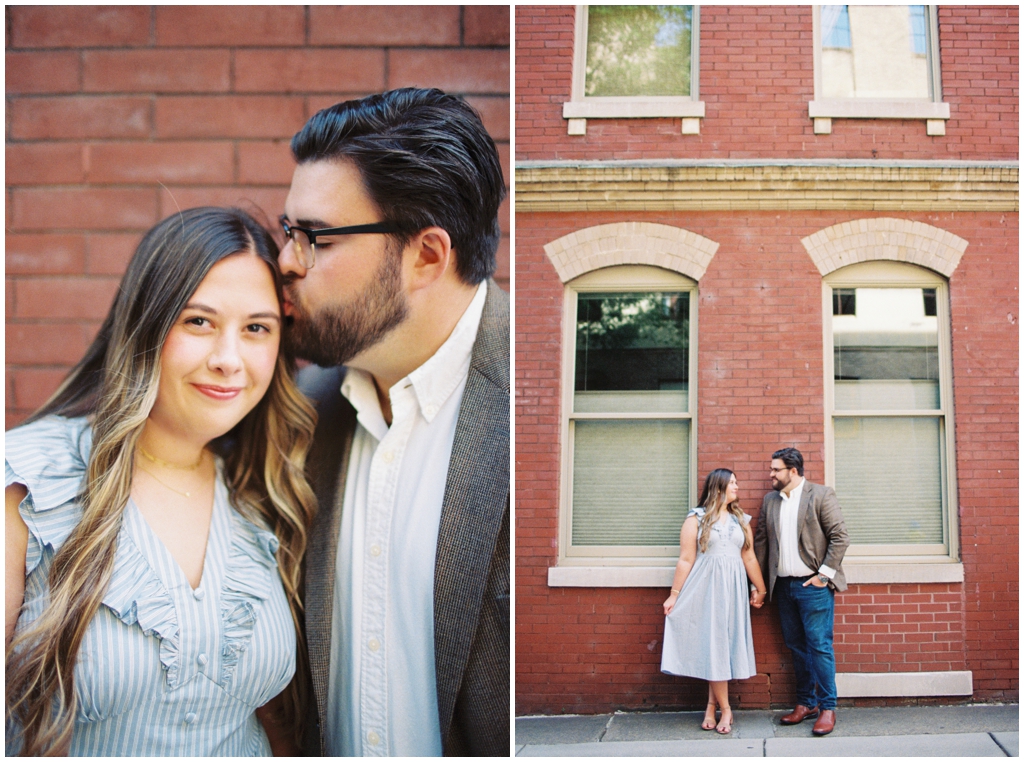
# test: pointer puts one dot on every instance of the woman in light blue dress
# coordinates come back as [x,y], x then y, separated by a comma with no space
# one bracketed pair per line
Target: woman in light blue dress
[707,618]
[156,514]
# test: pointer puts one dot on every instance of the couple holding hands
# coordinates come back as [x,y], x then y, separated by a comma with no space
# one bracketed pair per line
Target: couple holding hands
[206,555]
[798,545]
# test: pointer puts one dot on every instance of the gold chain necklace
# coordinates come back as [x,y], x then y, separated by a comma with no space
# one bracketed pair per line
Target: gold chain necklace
[165,464]
[161,481]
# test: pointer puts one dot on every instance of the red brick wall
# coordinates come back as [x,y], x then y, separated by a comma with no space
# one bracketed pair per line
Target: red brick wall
[756,79]
[760,386]
[119,115]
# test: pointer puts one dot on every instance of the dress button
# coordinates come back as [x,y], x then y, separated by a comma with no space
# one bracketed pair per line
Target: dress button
[388,456]
[199,593]
[190,718]
[202,659]
[374,644]
[375,550]
[373,738]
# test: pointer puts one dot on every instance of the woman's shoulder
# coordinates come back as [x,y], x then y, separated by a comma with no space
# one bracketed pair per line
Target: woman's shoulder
[697,512]
[50,457]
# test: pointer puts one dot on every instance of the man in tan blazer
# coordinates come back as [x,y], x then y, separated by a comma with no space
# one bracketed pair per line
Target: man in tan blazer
[392,229]
[799,543]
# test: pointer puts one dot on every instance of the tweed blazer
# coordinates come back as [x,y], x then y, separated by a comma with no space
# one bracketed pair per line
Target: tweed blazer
[471,571]
[823,538]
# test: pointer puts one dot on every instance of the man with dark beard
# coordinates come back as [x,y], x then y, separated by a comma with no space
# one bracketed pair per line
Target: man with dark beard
[392,230]
[800,542]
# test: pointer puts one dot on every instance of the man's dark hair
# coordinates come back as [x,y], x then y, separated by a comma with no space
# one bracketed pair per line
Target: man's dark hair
[791,457]
[426,160]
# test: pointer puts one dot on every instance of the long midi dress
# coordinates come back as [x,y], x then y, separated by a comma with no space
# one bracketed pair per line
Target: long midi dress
[707,634]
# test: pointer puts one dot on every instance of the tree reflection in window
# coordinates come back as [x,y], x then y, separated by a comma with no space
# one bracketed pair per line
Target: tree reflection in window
[636,341]
[635,50]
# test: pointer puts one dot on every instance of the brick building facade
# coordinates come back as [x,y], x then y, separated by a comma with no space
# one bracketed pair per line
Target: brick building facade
[765,201]
[118,115]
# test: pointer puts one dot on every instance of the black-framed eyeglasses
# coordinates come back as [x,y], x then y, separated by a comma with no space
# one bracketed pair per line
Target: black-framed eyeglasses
[305,238]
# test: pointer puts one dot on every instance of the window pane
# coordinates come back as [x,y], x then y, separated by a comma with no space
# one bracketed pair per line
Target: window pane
[844,301]
[889,479]
[638,50]
[632,352]
[886,356]
[631,482]
[884,55]
[835,26]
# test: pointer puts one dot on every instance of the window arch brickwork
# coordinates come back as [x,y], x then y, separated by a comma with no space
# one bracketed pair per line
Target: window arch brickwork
[631,243]
[885,238]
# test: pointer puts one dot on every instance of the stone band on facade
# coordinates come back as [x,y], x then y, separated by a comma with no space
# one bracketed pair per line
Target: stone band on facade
[631,243]
[713,186]
[881,684]
[884,238]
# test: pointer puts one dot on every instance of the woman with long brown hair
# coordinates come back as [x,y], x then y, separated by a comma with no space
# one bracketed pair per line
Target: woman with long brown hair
[707,618]
[156,515]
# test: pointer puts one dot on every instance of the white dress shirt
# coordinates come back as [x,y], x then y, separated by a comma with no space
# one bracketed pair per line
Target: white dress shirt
[790,563]
[383,689]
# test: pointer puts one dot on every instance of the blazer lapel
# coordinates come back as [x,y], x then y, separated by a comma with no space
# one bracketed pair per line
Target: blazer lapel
[327,467]
[774,503]
[805,504]
[475,499]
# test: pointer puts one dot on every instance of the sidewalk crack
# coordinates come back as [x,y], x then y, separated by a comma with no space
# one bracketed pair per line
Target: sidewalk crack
[607,725]
[1002,748]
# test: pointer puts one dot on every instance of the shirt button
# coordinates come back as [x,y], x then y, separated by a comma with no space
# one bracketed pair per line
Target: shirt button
[374,644]
[199,593]
[388,456]
[190,718]
[373,738]
[202,659]
[430,410]
[375,550]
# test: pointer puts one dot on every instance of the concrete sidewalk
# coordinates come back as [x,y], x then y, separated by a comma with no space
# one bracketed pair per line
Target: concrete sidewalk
[918,731]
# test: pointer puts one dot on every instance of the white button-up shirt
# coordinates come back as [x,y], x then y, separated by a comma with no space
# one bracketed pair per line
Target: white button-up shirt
[383,688]
[790,563]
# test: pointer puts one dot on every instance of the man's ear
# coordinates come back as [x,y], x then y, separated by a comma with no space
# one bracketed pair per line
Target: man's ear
[428,256]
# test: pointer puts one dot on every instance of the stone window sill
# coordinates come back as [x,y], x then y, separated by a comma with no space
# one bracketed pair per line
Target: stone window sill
[690,111]
[824,111]
[857,573]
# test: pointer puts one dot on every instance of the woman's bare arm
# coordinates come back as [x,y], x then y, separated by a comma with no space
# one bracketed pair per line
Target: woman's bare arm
[282,740]
[687,556]
[16,534]
[753,571]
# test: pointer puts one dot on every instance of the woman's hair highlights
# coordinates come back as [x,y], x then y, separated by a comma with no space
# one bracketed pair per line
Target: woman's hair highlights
[712,498]
[116,385]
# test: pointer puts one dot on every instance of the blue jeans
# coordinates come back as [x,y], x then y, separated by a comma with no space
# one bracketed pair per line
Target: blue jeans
[808,616]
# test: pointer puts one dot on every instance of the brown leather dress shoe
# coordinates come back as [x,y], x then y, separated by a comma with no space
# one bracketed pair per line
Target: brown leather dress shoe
[826,723]
[798,715]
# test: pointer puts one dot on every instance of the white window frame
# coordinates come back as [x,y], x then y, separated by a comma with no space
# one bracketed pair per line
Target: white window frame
[933,111]
[618,279]
[888,274]
[581,107]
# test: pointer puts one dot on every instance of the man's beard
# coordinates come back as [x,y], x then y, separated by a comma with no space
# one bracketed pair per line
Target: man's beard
[337,333]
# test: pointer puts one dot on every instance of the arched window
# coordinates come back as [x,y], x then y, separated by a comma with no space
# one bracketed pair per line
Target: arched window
[628,420]
[889,409]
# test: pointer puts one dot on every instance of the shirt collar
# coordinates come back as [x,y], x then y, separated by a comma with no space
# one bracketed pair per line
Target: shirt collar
[796,492]
[436,379]
[433,382]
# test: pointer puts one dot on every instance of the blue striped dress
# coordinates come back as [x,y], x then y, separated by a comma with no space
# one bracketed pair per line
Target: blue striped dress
[708,634]
[163,670]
